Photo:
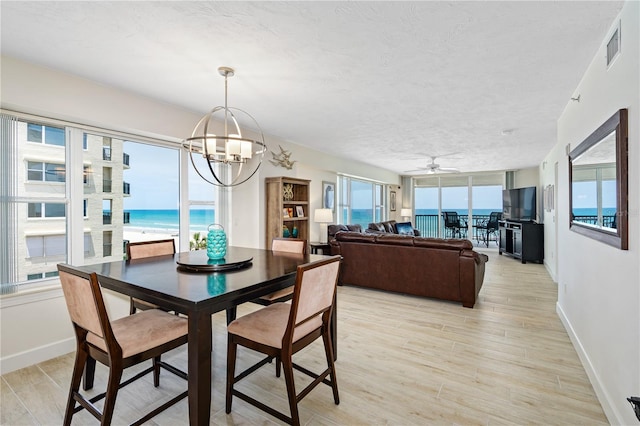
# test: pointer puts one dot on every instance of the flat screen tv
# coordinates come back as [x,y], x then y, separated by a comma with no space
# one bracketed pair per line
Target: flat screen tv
[519,204]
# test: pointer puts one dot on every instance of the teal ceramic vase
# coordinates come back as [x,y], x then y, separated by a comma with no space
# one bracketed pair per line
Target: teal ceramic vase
[216,242]
[294,232]
[285,232]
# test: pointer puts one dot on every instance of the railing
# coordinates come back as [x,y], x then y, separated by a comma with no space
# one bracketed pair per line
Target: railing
[125,159]
[126,188]
[106,185]
[106,218]
[126,217]
[607,221]
[428,224]
[106,153]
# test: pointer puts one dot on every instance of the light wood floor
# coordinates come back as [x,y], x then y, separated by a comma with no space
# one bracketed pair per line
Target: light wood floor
[401,361]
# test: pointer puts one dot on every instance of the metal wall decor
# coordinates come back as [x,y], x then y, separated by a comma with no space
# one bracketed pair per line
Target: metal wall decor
[283,159]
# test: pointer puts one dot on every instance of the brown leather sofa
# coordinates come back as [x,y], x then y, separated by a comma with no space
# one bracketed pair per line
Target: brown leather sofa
[429,267]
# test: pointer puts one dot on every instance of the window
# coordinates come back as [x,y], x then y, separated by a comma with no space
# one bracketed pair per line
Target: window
[48,172]
[45,134]
[106,179]
[37,210]
[135,209]
[46,246]
[107,238]
[106,212]
[361,202]
[435,194]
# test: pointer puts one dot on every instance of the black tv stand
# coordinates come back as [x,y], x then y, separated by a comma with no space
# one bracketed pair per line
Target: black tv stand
[522,240]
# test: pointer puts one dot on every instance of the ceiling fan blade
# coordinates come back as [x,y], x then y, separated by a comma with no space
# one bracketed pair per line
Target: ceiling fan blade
[448,170]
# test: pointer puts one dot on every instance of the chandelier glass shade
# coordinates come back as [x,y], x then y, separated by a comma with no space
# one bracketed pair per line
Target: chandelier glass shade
[230,158]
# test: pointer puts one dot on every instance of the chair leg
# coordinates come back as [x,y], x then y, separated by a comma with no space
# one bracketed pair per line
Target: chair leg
[132,306]
[78,367]
[156,371]
[89,373]
[115,374]
[287,366]
[278,366]
[326,338]
[232,348]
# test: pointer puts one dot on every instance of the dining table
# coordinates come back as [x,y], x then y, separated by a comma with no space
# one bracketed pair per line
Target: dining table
[190,283]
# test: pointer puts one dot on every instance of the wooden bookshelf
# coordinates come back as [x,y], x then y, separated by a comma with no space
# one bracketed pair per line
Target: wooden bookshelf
[292,195]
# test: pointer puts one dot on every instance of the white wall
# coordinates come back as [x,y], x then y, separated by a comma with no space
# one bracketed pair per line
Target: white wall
[598,285]
[36,327]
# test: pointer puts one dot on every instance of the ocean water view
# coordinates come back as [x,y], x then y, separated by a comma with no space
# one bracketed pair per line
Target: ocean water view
[199,219]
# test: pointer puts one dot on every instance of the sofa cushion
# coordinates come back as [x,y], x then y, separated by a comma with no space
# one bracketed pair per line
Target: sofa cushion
[390,226]
[377,227]
[355,228]
[404,228]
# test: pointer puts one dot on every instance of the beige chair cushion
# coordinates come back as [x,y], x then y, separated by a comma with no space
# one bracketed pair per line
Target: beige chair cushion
[143,331]
[267,326]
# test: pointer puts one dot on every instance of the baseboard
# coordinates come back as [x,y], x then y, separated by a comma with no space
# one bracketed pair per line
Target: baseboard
[33,356]
[613,416]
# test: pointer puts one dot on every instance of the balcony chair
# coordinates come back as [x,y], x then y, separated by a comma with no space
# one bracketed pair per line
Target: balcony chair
[144,249]
[280,330]
[117,344]
[453,224]
[278,245]
[489,227]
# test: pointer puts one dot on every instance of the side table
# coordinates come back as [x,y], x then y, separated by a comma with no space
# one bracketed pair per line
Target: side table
[322,246]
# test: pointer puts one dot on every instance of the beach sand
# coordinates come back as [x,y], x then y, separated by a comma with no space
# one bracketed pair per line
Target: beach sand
[135,235]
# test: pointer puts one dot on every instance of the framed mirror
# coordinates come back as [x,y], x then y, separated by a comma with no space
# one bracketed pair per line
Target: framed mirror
[598,170]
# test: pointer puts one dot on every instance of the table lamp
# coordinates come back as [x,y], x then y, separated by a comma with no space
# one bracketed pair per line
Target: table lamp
[323,217]
[406,213]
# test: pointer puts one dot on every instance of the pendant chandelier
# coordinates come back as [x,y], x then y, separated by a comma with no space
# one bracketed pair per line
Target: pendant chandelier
[231,158]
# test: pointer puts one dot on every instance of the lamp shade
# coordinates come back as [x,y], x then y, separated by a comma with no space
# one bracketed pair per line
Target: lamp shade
[323,216]
[405,212]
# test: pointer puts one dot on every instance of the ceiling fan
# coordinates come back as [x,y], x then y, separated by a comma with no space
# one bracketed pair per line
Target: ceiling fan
[433,167]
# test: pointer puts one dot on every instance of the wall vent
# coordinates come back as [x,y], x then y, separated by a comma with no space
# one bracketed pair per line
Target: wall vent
[613,45]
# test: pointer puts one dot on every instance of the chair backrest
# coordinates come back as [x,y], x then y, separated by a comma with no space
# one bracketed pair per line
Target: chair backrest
[143,249]
[494,217]
[313,293]
[85,303]
[289,245]
[451,219]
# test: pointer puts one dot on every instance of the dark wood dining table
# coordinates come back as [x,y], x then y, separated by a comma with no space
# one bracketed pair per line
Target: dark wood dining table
[199,293]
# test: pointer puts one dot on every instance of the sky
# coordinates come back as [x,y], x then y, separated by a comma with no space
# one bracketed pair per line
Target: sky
[162,191]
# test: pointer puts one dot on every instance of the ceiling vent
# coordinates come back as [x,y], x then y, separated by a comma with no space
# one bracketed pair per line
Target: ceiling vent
[613,45]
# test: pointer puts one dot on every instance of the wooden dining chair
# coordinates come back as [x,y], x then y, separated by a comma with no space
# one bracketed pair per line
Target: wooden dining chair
[283,245]
[142,249]
[278,245]
[282,329]
[117,344]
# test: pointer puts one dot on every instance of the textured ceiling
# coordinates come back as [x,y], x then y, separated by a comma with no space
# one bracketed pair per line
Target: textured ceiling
[480,85]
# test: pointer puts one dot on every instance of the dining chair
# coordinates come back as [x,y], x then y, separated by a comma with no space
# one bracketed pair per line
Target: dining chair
[282,329]
[142,249]
[283,245]
[278,245]
[117,344]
